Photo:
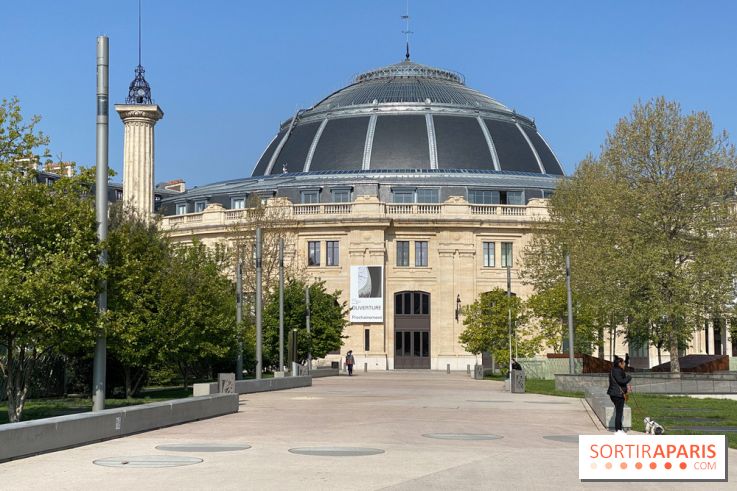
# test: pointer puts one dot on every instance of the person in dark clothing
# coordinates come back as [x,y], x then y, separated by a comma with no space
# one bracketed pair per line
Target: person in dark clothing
[349,361]
[618,382]
[626,362]
[516,365]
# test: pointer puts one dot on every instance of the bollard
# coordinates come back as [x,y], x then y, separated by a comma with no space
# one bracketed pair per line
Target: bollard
[365,367]
[468,369]
[295,369]
[447,368]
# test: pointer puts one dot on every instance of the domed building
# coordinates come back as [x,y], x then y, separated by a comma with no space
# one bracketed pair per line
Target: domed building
[411,192]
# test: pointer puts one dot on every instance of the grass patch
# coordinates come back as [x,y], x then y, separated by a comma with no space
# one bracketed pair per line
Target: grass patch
[498,377]
[60,406]
[675,411]
[547,387]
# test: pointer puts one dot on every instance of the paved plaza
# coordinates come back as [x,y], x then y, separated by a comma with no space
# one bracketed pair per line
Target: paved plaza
[390,411]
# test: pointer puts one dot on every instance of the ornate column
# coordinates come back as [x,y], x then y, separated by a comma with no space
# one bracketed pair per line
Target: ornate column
[138,154]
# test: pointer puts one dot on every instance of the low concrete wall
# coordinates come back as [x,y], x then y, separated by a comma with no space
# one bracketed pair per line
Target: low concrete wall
[324,372]
[603,407]
[547,368]
[655,383]
[252,386]
[49,434]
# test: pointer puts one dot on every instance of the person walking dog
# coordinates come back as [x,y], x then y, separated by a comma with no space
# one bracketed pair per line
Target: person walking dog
[349,361]
[618,382]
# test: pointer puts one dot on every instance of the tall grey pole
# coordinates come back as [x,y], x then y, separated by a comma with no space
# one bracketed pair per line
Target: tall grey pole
[239,315]
[509,313]
[571,362]
[309,331]
[103,63]
[259,332]
[281,305]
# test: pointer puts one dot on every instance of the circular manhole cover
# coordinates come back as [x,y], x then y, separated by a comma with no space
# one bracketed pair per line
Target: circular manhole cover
[462,436]
[203,447]
[336,451]
[147,461]
[562,438]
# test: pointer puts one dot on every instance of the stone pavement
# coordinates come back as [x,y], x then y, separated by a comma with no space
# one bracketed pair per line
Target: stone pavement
[390,411]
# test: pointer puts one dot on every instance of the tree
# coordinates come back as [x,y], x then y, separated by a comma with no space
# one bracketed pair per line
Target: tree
[138,253]
[649,225]
[48,259]
[549,308]
[327,320]
[486,326]
[196,314]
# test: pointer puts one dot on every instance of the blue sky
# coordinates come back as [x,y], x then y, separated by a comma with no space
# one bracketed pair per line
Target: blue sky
[226,73]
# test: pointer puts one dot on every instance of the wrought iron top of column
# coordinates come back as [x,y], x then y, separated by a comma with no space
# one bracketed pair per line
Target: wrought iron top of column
[139,92]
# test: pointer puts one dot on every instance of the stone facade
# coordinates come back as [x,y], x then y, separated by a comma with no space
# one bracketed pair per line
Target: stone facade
[367,231]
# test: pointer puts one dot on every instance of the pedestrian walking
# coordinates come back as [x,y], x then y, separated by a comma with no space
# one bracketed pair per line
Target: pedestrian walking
[349,361]
[626,362]
[618,389]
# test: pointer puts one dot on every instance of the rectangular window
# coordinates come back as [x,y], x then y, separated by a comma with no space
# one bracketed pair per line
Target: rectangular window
[483,197]
[238,203]
[421,253]
[181,208]
[488,249]
[118,194]
[313,253]
[309,197]
[341,195]
[515,198]
[366,340]
[403,196]
[199,206]
[402,253]
[333,251]
[507,259]
[427,196]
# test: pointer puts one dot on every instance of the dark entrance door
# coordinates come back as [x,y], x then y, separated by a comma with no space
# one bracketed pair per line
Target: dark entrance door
[412,330]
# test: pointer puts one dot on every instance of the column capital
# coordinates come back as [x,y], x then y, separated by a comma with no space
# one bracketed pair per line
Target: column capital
[149,113]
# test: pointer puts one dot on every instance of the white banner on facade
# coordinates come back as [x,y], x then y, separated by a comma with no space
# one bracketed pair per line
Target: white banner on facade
[652,457]
[367,294]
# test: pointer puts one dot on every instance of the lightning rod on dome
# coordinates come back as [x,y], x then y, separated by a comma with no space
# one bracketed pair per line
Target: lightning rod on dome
[139,92]
[406,31]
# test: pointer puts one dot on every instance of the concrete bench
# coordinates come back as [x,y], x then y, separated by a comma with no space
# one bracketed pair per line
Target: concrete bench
[49,434]
[252,386]
[603,407]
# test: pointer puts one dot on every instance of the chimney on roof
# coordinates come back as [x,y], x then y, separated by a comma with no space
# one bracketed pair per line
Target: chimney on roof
[178,185]
[60,168]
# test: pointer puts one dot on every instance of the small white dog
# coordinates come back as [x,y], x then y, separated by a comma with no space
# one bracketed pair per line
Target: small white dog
[652,427]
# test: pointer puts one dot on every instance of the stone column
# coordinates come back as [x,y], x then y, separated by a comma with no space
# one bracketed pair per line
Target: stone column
[710,344]
[728,344]
[138,154]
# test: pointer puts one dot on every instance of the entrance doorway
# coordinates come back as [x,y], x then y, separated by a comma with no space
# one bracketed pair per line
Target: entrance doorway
[412,330]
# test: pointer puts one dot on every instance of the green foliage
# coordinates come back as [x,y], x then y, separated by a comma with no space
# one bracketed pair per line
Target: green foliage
[196,307]
[48,260]
[327,320]
[650,228]
[486,326]
[137,256]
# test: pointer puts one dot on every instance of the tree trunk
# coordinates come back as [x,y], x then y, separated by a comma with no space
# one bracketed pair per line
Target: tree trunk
[127,375]
[18,371]
[137,384]
[601,342]
[675,364]
[660,357]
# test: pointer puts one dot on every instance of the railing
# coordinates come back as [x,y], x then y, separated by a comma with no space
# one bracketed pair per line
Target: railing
[413,209]
[223,216]
[504,210]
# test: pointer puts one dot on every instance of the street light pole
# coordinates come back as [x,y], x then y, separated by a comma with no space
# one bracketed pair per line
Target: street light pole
[103,131]
[239,315]
[281,305]
[571,362]
[309,331]
[509,313]
[259,332]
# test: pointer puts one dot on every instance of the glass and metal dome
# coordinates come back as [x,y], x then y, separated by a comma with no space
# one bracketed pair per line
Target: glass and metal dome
[408,116]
